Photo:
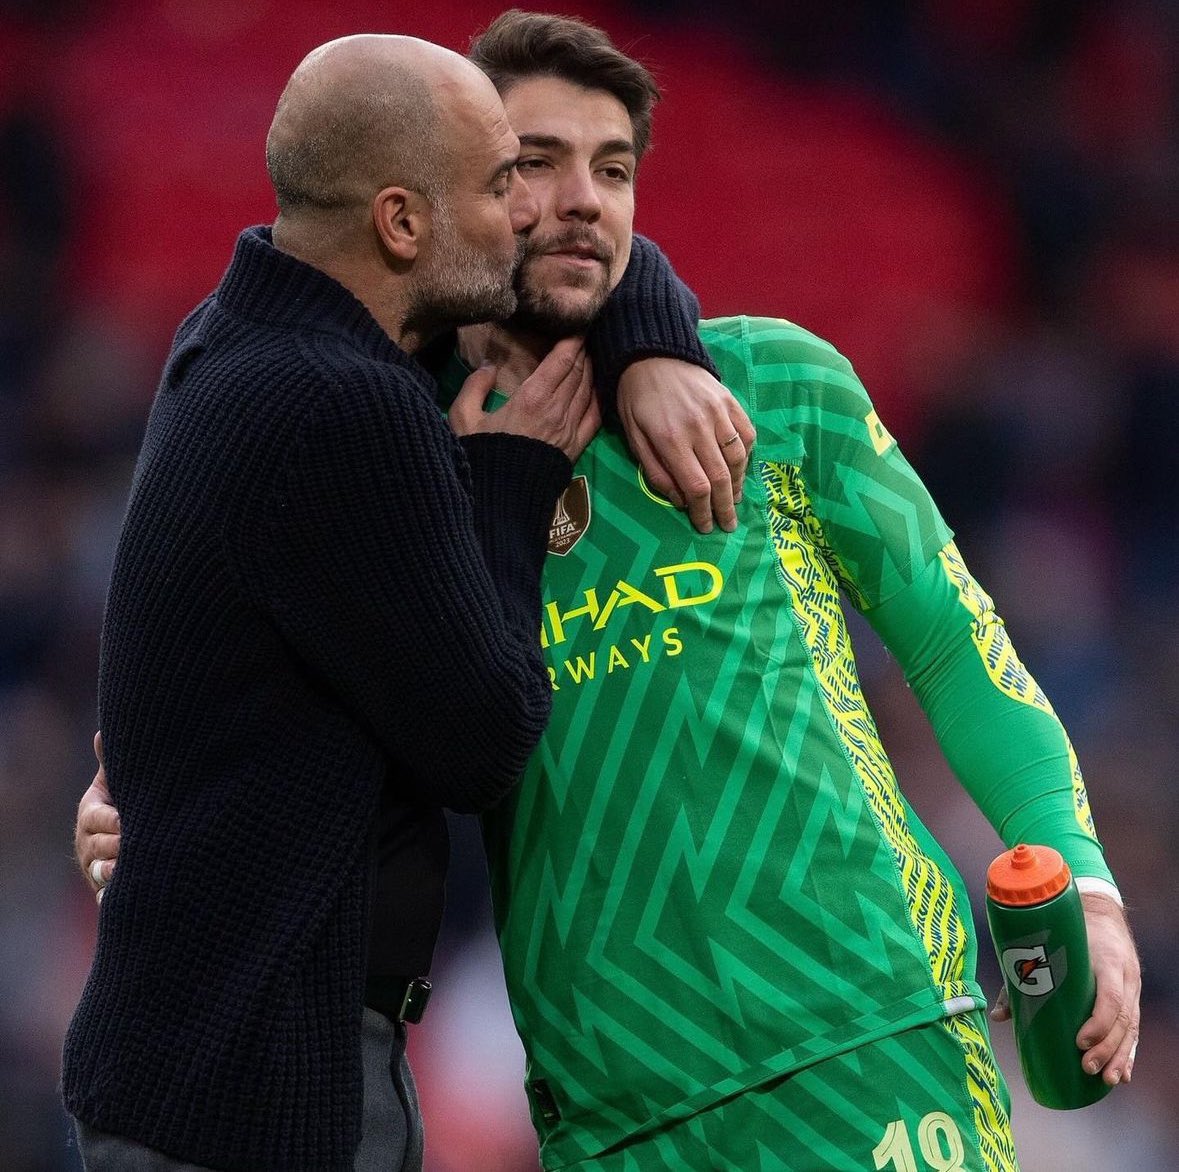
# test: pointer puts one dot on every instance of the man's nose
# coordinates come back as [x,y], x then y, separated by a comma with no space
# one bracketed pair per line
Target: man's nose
[578,198]
[525,211]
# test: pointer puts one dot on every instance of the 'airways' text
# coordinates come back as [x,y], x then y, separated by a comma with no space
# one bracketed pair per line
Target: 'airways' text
[617,657]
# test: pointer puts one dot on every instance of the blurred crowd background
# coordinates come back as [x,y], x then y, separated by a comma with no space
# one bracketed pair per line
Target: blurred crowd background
[975,200]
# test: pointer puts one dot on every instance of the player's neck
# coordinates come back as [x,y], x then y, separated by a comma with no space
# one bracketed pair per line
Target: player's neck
[516,354]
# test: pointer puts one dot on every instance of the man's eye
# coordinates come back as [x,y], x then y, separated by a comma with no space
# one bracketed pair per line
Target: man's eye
[531,164]
[621,174]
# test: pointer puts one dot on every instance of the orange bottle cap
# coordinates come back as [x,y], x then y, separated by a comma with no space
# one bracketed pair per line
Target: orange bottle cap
[1027,875]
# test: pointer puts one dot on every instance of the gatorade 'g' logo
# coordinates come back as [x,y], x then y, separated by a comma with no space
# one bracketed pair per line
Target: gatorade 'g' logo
[1028,970]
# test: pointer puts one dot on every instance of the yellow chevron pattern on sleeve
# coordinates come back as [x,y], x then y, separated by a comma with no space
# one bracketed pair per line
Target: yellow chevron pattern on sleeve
[1005,668]
[807,567]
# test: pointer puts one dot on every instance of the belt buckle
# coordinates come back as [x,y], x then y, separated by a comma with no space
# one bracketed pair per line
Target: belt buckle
[413,1004]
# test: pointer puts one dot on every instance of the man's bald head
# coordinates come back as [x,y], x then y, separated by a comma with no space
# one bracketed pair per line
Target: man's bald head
[362,113]
[393,164]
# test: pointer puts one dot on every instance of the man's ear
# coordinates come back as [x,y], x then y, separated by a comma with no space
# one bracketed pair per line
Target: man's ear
[402,220]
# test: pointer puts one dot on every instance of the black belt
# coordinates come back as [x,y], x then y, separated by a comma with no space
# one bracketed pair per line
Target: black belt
[398,998]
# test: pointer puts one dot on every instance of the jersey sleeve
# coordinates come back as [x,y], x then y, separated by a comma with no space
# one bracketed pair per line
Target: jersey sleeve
[894,557]
[864,505]
[996,727]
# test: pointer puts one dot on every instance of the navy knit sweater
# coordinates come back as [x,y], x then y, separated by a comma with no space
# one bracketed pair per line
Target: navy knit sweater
[321,600]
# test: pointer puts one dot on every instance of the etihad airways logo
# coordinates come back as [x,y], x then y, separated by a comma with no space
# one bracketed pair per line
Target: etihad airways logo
[674,587]
[651,638]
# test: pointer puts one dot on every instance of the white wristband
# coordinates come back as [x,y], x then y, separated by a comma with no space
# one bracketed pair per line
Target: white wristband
[1091,885]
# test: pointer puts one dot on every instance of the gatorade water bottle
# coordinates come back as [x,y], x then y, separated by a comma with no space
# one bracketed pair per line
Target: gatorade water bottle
[1038,926]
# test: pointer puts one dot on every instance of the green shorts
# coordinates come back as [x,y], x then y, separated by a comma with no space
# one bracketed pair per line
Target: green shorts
[931,1099]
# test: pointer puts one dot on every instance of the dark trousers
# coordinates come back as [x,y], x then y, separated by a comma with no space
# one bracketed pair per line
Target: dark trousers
[391,1140]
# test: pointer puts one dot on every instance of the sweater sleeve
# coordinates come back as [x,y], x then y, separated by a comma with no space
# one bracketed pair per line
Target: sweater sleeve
[997,729]
[502,493]
[651,313]
[416,608]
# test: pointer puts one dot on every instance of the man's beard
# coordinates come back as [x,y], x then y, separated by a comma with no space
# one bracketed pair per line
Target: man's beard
[542,312]
[463,286]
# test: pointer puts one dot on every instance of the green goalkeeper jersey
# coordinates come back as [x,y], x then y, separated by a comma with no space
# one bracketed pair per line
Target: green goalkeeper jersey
[708,876]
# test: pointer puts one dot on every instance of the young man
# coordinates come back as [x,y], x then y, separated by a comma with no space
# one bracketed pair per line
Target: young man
[728,942]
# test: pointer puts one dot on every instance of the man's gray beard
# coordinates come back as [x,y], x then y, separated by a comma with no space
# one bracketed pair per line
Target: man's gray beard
[435,310]
[540,313]
[462,288]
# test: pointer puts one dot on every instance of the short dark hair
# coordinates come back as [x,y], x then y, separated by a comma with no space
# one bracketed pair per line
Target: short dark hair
[519,45]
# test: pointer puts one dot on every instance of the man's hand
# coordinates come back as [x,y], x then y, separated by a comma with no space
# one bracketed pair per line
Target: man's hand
[556,403]
[1109,1039]
[96,832]
[690,435]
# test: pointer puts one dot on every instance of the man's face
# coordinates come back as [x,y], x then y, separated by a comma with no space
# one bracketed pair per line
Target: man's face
[577,155]
[477,224]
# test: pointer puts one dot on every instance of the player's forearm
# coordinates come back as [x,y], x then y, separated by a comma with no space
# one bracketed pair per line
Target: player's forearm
[996,728]
[1013,758]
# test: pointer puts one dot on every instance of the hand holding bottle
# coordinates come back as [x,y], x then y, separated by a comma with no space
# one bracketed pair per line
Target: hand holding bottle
[1108,1039]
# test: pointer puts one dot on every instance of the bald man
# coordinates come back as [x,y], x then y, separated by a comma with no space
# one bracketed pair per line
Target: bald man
[323,611]
[413,138]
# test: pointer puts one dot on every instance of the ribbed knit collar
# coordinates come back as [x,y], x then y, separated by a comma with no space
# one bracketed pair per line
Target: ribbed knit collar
[265,284]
